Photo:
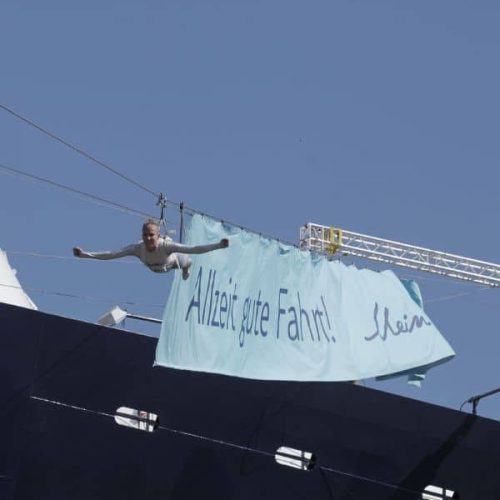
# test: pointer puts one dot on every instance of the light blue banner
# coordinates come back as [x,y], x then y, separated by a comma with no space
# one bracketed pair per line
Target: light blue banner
[263,310]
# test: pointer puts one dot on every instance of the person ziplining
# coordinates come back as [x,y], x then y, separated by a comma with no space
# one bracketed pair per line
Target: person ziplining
[158,253]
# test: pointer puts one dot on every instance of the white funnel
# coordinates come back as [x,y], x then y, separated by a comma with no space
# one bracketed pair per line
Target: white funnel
[11,291]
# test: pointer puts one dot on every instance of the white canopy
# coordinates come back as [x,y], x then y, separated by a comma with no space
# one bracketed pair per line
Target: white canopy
[11,291]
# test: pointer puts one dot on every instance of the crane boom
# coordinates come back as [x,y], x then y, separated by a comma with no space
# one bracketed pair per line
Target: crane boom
[329,241]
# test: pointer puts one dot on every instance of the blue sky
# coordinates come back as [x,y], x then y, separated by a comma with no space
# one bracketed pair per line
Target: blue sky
[379,117]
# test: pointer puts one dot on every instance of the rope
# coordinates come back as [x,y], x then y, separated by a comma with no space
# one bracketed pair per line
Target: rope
[370,480]
[457,295]
[41,255]
[76,149]
[402,273]
[81,297]
[60,257]
[160,427]
[229,444]
[96,199]
[181,226]
[191,211]
[63,257]
[162,201]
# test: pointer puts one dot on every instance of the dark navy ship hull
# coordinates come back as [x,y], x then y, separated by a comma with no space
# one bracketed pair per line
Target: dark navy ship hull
[62,380]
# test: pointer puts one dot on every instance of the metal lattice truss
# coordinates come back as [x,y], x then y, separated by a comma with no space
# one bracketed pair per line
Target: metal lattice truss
[332,241]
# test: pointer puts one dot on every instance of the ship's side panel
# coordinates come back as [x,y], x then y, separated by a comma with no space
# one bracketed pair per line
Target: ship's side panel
[218,435]
[19,337]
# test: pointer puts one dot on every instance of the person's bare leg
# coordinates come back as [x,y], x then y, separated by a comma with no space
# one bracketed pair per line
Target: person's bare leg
[185,263]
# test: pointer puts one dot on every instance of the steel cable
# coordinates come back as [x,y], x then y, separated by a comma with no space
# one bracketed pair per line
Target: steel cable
[76,149]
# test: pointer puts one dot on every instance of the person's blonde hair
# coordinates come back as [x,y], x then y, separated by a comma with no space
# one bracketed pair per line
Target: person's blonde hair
[151,222]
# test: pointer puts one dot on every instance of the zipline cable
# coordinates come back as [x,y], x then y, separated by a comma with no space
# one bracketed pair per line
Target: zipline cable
[159,196]
[77,149]
[96,199]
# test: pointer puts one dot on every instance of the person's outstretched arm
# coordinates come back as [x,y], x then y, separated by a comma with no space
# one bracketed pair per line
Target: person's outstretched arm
[124,252]
[196,249]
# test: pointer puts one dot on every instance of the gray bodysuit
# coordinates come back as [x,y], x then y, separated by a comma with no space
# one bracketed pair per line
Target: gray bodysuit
[167,255]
